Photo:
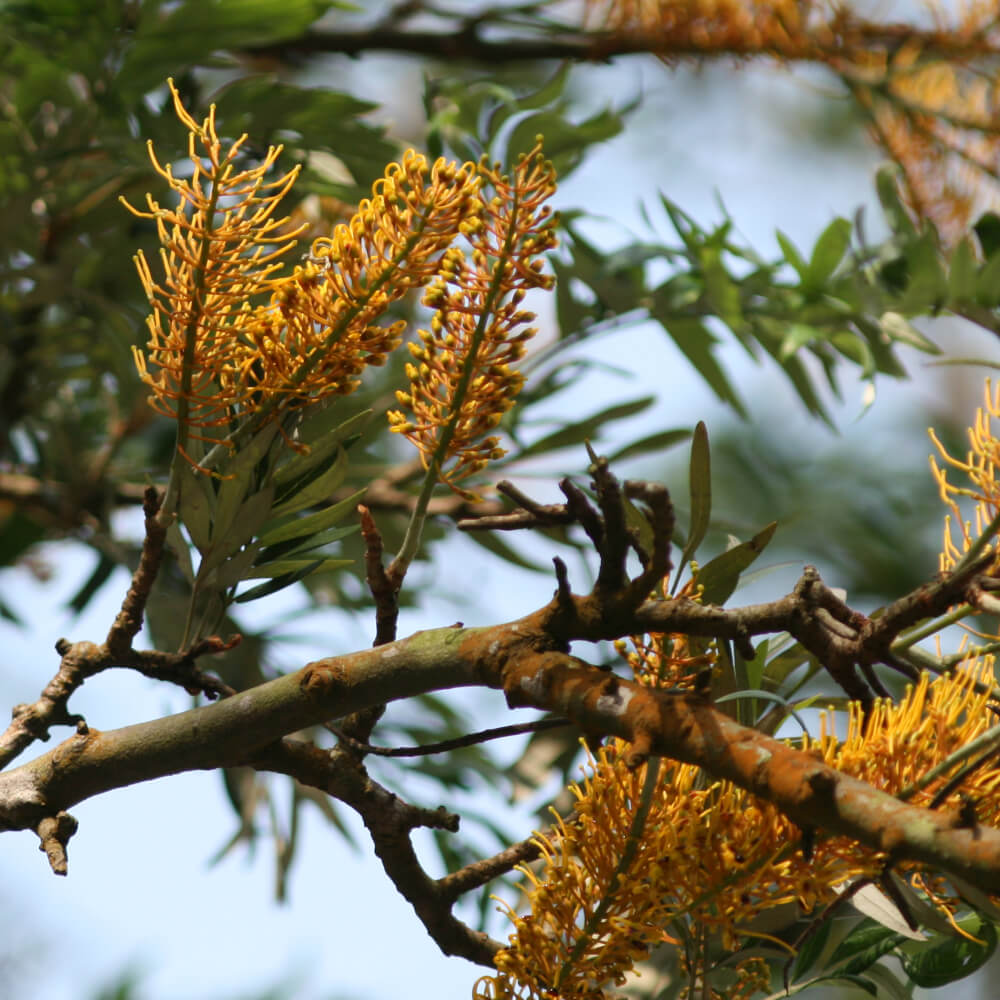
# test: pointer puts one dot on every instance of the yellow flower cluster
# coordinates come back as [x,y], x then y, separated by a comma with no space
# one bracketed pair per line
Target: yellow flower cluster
[221,244]
[979,467]
[319,331]
[217,352]
[666,660]
[711,858]
[461,379]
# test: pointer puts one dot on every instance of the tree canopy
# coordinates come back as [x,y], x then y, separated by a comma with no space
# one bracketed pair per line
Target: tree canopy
[297,347]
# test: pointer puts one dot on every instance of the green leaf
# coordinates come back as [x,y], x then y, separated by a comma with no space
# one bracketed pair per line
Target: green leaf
[798,335]
[231,571]
[792,255]
[695,343]
[312,119]
[888,985]
[195,505]
[782,664]
[857,981]
[927,284]
[18,532]
[276,530]
[181,550]
[100,575]
[638,523]
[295,546]
[584,430]
[291,567]
[192,30]
[719,577]
[898,328]
[299,527]
[232,490]
[253,513]
[855,349]
[278,583]
[653,443]
[962,270]
[988,283]
[250,454]
[951,958]
[752,694]
[887,188]
[301,470]
[826,256]
[721,290]
[700,492]
[988,230]
[811,952]
[306,491]
[495,545]
[565,141]
[863,947]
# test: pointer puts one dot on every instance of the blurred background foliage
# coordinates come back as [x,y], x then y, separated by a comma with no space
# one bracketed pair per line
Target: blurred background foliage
[82,93]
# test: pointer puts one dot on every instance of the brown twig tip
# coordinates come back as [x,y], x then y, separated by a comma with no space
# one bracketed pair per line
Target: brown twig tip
[129,619]
[213,644]
[54,833]
[151,500]
[383,584]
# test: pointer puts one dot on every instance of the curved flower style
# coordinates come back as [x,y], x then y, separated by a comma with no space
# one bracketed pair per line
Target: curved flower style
[221,245]
[461,379]
[980,468]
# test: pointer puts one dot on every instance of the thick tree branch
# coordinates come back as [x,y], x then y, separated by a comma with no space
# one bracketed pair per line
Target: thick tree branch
[466,42]
[533,668]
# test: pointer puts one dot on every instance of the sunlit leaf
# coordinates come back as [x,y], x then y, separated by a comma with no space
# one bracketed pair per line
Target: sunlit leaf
[700,492]
[951,958]
[719,577]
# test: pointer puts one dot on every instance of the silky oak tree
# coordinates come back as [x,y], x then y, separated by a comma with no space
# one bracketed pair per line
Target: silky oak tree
[318,299]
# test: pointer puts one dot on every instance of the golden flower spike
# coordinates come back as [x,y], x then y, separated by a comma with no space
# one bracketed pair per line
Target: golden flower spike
[319,330]
[461,378]
[979,469]
[714,857]
[220,246]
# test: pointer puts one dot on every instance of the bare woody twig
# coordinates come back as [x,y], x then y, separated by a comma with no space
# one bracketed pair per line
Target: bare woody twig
[389,821]
[81,660]
[129,620]
[471,739]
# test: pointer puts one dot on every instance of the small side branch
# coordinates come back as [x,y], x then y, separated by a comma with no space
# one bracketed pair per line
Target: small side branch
[389,821]
[129,620]
[472,739]
[54,833]
[383,585]
[479,873]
